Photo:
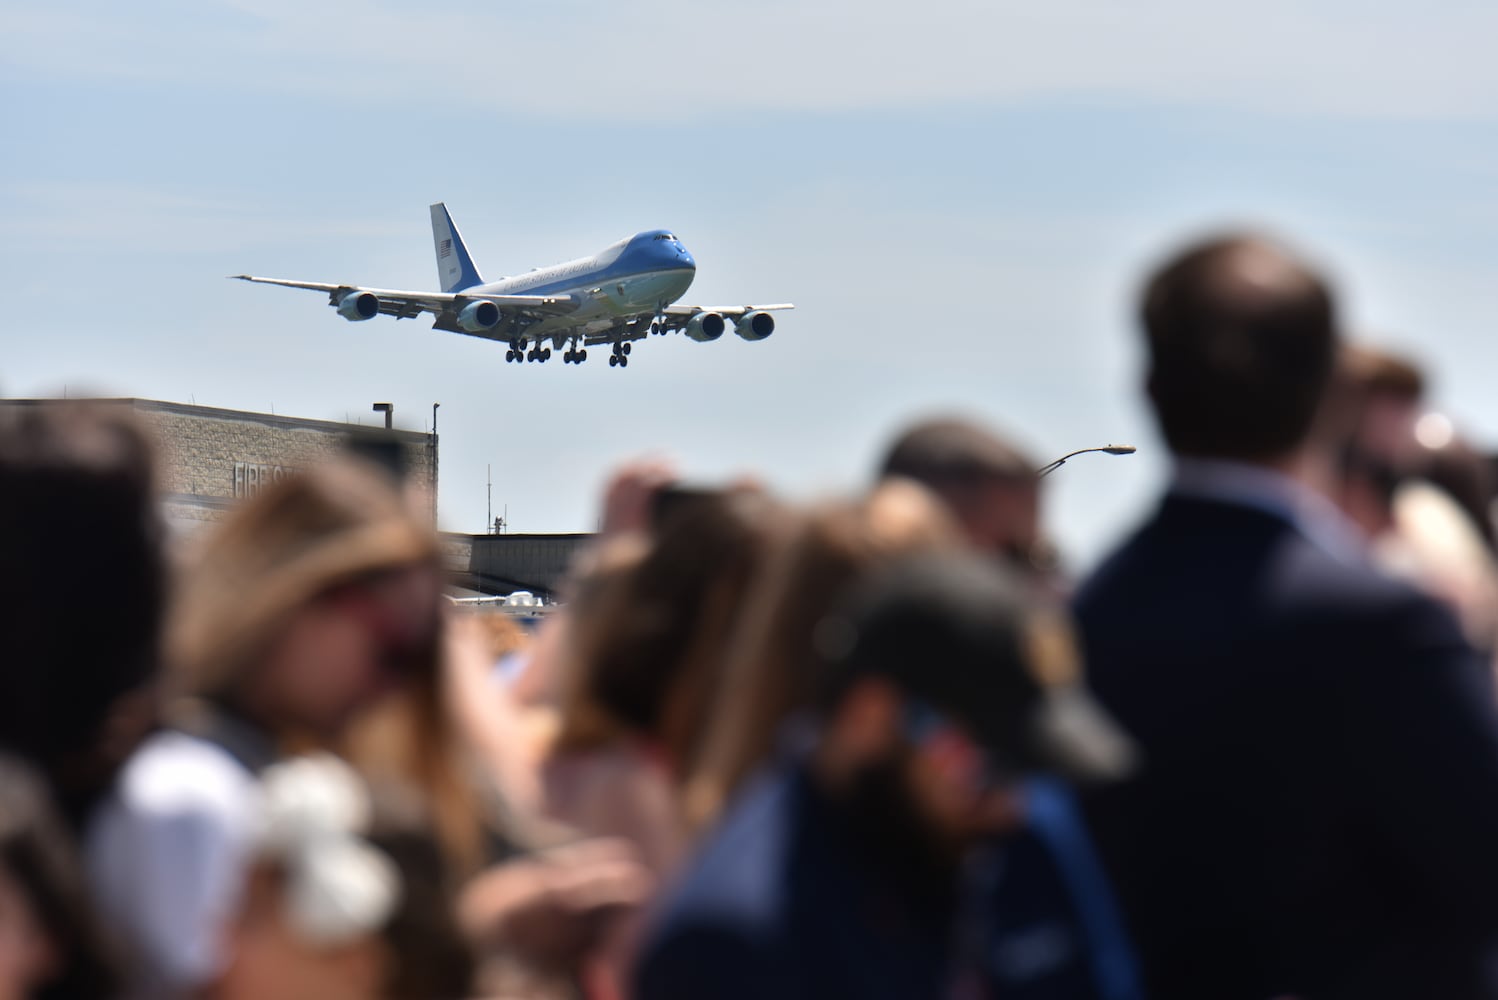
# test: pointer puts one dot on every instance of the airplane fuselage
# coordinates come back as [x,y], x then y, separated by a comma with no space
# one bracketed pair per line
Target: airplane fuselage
[635,276]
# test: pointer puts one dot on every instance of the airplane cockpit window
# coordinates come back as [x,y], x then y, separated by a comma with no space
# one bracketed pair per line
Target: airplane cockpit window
[665,236]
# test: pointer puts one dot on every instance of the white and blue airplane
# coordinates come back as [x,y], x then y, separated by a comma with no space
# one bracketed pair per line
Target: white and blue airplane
[624,293]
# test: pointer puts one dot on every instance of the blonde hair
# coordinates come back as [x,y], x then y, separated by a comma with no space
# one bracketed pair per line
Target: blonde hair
[651,625]
[301,537]
[771,669]
[333,524]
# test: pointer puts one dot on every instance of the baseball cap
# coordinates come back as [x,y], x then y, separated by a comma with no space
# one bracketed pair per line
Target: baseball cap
[964,635]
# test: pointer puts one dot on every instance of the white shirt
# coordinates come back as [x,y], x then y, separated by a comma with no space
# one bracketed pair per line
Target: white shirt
[168,856]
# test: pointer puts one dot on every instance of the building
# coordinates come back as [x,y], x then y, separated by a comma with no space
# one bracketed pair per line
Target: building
[210,457]
[503,564]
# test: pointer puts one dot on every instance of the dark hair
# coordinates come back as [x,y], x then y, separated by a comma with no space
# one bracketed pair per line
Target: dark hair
[1242,343]
[77,498]
[1373,371]
[949,452]
[39,855]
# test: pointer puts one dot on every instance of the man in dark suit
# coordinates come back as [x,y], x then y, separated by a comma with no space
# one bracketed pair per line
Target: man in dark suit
[1317,811]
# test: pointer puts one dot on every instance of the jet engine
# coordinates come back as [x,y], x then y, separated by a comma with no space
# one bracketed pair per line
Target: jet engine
[705,326]
[476,317]
[359,307]
[755,325]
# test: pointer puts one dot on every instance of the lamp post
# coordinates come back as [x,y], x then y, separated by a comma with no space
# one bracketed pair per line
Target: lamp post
[1108,449]
[434,463]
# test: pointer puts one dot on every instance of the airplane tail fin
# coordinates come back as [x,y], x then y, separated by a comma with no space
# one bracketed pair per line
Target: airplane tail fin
[455,268]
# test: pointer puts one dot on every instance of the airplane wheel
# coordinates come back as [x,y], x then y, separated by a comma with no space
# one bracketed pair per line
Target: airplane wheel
[624,349]
[509,355]
[613,360]
[522,344]
[623,362]
[546,354]
[582,355]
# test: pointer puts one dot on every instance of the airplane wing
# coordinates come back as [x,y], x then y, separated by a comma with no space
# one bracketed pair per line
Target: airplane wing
[730,311]
[406,304]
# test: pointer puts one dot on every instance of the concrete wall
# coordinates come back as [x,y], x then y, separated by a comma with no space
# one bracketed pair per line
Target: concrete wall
[500,564]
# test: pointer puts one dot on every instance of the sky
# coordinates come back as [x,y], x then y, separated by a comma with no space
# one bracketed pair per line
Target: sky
[960,197]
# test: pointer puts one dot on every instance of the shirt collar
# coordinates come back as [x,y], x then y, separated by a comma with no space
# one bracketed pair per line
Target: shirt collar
[1261,488]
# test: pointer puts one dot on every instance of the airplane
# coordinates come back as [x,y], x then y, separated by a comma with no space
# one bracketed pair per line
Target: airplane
[622,294]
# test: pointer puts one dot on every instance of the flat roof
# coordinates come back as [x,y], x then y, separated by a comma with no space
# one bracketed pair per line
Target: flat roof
[219,413]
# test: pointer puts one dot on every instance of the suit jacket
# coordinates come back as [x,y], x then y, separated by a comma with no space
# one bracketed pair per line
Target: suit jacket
[1317,811]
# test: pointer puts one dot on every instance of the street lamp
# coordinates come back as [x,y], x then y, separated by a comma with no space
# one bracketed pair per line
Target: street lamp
[1108,449]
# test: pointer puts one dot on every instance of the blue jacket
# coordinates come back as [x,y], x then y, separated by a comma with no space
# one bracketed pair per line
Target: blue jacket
[783,903]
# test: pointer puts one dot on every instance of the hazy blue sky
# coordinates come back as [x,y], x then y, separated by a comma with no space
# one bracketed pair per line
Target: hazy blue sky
[959,196]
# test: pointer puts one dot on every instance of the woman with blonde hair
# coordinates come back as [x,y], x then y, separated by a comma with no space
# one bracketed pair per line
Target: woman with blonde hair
[771,671]
[648,631]
[307,605]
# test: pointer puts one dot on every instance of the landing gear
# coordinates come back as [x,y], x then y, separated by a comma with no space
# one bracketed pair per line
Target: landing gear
[613,360]
[538,354]
[510,355]
[624,348]
[575,357]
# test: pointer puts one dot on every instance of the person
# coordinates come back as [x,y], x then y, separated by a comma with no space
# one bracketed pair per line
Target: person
[52,946]
[770,664]
[650,629]
[344,897]
[1415,490]
[310,602]
[77,488]
[1319,796]
[1381,394]
[310,615]
[840,871]
[988,483]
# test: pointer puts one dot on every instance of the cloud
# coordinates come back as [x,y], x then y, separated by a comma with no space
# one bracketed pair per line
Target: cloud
[662,61]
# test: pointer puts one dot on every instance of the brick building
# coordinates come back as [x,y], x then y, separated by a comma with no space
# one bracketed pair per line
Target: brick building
[211,457]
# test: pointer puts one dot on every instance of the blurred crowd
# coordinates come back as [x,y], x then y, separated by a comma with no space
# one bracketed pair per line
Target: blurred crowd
[876,746]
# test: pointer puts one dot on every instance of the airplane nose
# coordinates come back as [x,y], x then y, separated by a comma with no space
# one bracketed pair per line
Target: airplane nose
[685,258]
